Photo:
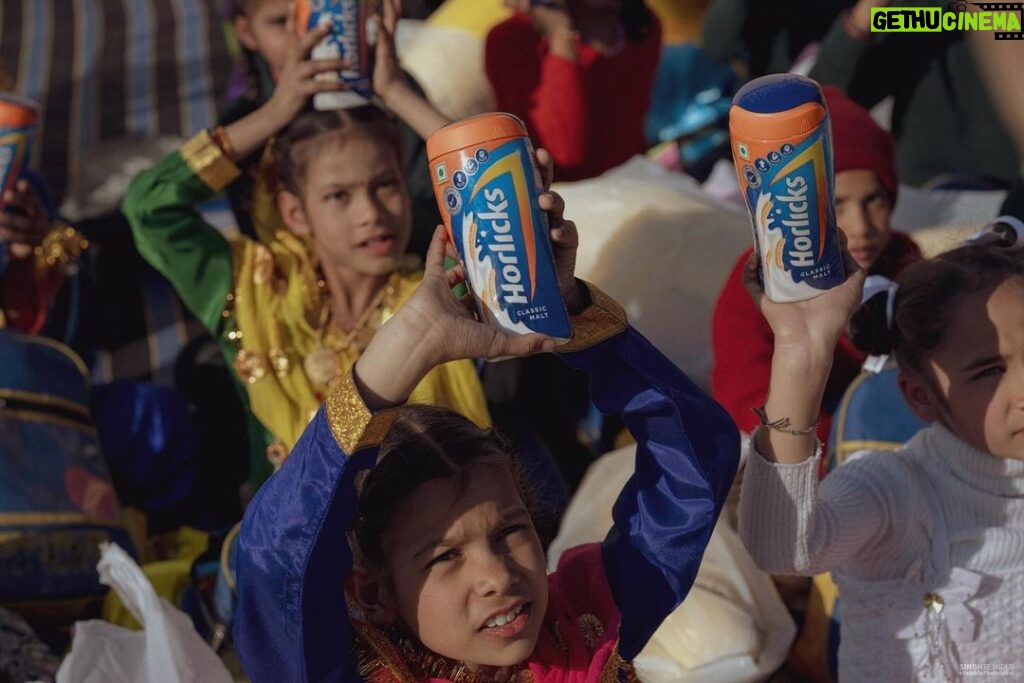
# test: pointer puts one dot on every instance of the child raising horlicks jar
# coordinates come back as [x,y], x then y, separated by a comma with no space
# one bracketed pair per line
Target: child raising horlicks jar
[925,544]
[397,541]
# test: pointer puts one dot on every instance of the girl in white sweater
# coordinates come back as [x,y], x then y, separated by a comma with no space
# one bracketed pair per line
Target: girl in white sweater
[927,544]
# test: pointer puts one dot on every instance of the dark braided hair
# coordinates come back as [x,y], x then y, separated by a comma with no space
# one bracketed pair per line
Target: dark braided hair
[425,443]
[292,155]
[925,301]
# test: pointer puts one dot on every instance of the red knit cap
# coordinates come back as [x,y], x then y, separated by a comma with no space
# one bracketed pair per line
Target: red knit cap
[858,142]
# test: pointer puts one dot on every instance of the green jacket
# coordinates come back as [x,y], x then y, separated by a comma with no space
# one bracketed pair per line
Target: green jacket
[173,237]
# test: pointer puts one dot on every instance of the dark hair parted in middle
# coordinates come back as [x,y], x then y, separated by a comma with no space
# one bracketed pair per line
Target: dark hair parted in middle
[292,153]
[425,443]
[925,301]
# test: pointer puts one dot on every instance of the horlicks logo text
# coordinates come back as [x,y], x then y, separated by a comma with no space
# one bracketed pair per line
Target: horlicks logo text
[798,222]
[496,222]
[501,235]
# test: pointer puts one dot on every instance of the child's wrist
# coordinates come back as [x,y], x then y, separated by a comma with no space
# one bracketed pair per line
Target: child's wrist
[381,380]
[276,116]
[393,93]
[804,358]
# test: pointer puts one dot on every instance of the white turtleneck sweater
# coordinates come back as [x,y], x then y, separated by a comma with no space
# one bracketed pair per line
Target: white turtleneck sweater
[871,521]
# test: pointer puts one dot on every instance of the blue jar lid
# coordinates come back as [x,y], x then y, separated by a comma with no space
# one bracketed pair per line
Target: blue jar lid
[777,93]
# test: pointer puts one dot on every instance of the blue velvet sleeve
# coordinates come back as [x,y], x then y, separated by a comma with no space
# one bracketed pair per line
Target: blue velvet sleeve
[291,623]
[687,453]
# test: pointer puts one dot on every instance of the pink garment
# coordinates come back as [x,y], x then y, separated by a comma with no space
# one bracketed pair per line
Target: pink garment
[578,642]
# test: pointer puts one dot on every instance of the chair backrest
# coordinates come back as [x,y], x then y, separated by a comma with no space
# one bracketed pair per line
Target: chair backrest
[57,500]
[871,417]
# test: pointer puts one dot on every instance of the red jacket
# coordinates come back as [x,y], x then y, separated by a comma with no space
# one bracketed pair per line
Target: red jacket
[588,114]
[742,343]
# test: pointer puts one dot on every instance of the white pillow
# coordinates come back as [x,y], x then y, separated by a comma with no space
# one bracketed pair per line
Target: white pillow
[662,248]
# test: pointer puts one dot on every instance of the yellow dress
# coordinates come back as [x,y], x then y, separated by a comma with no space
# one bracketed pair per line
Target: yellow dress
[276,311]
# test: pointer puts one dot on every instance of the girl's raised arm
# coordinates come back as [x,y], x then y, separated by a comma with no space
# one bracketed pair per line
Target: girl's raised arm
[787,522]
[390,84]
[687,454]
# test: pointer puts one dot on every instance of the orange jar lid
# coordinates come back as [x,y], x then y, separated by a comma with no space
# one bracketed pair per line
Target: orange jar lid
[474,131]
[777,125]
[16,111]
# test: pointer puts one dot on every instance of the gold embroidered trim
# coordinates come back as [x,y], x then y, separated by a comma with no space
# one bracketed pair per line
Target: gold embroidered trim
[378,659]
[591,628]
[262,265]
[208,161]
[353,425]
[396,657]
[616,665]
[602,319]
[250,366]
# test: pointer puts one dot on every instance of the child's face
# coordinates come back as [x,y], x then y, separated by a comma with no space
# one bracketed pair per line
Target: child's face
[263,29]
[863,210]
[979,370]
[354,204]
[459,559]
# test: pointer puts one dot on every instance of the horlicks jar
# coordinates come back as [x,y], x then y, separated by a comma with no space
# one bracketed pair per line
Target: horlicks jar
[487,185]
[782,148]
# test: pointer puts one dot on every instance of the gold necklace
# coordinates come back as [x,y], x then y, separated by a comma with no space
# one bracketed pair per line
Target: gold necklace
[321,364]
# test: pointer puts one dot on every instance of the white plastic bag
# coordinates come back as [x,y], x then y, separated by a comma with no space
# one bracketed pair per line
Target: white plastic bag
[167,649]
[732,627]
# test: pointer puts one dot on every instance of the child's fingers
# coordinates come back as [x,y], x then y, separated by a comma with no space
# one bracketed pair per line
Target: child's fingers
[848,261]
[323,76]
[456,275]
[13,198]
[291,27]
[11,232]
[320,66]
[565,235]
[546,164]
[449,248]
[434,261]
[16,226]
[554,205]
[306,43]
[21,195]
[750,278]
[468,303]
[392,10]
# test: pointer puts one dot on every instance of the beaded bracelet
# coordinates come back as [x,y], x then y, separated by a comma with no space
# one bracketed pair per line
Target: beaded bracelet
[783,424]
